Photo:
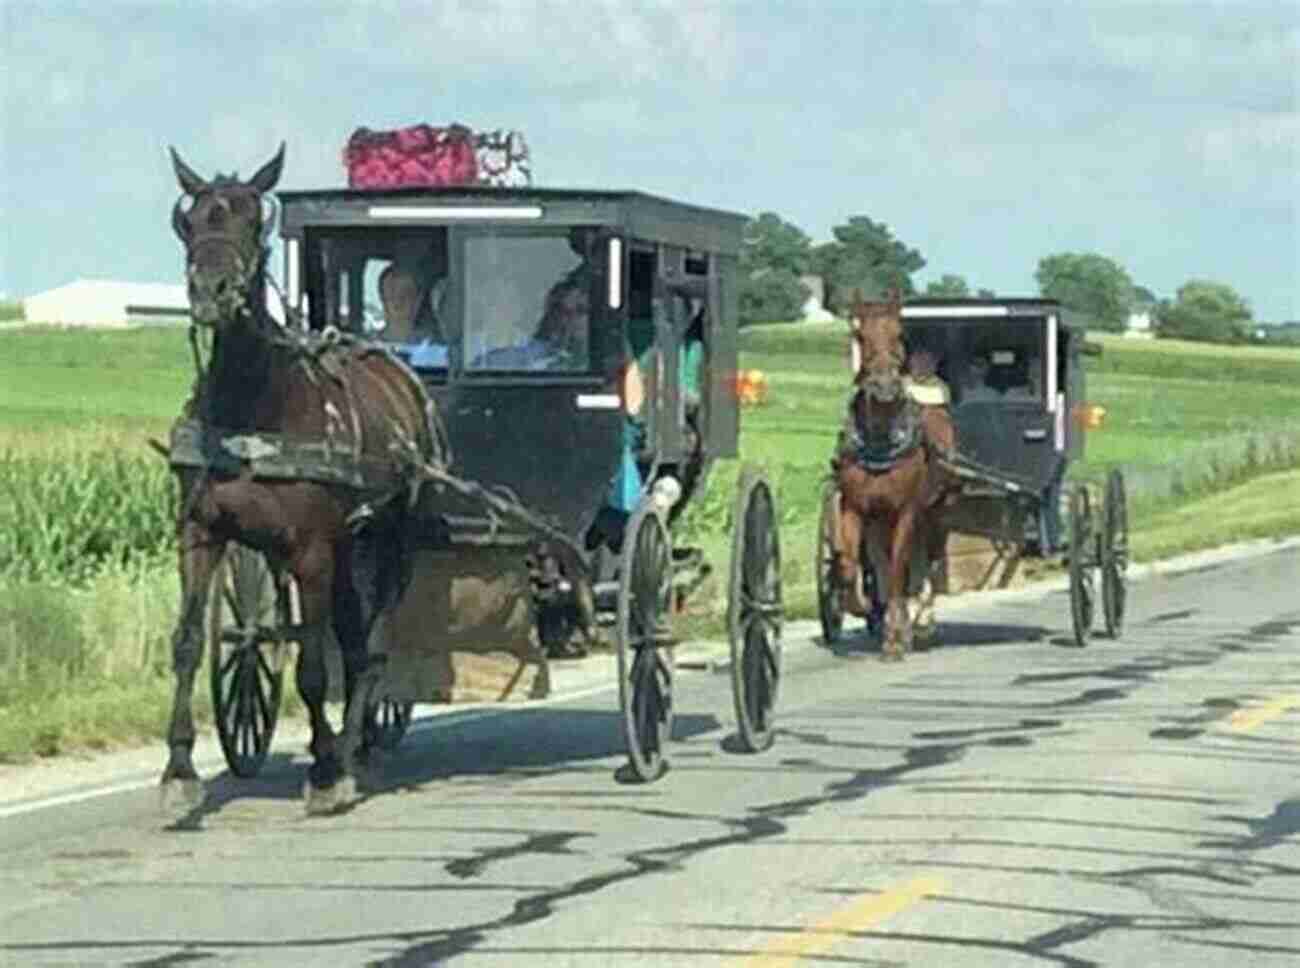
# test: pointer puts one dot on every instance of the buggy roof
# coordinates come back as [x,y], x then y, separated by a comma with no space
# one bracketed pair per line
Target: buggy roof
[936,309]
[641,214]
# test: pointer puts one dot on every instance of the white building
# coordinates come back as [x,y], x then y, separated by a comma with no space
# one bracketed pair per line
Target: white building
[814,309]
[1139,326]
[101,302]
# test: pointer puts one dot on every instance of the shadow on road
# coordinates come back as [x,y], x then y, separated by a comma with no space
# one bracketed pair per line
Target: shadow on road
[532,742]
[952,635]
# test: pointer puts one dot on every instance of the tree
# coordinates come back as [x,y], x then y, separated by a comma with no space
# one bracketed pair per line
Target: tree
[773,255]
[1209,312]
[987,294]
[864,255]
[953,287]
[1089,284]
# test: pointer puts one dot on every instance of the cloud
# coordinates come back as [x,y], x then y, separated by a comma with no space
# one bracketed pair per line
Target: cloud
[986,133]
[553,42]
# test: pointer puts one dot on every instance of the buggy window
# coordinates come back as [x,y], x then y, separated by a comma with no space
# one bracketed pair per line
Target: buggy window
[999,361]
[528,300]
[386,286]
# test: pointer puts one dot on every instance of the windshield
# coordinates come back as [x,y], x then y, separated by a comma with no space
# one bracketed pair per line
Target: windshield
[528,299]
[985,360]
[386,286]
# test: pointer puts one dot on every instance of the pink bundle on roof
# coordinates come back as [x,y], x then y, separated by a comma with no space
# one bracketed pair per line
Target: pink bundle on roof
[423,156]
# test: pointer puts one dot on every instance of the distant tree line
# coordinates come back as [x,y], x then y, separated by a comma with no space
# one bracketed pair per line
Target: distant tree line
[864,255]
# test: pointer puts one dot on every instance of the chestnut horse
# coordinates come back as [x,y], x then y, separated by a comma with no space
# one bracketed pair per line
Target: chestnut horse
[891,485]
[339,539]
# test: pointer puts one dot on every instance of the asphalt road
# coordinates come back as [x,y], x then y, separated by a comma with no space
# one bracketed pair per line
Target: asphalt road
[1006,799]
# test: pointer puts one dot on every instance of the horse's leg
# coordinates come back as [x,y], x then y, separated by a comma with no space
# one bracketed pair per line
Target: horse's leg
[848,560]
[350,629]
[199,555]
[898,631]
[314,569]
[368,581]
[926,631]
[877,545]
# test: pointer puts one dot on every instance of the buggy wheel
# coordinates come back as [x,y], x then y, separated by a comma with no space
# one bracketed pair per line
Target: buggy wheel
[754,611]
[645,679]
[387,722]
[1114,554]
[830,609]
[1083,564]
[248,609]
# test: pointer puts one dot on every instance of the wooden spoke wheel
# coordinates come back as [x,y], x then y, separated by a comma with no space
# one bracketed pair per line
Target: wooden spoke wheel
[248,612]
[830,607]
[1083,564]
[754,611]
[1114,554]
[387,722]
[645,678]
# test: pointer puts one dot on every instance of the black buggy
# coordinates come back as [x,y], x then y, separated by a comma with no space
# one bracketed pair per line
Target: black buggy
[581,349]
[1013,372]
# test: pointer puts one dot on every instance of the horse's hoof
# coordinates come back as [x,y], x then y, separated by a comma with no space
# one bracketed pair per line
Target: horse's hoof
[321,801]
[180,794]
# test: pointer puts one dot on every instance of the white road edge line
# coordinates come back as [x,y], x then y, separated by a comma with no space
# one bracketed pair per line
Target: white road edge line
[428,724]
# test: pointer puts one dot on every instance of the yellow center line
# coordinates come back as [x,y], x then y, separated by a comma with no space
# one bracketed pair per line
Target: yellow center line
[1247,719]
[824,935]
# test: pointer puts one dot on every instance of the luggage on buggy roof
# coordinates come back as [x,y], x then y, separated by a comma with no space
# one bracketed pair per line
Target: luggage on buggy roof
[424,156]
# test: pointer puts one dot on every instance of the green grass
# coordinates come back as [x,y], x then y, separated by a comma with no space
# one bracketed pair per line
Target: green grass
[88,585]
[1265,507]
[54,380]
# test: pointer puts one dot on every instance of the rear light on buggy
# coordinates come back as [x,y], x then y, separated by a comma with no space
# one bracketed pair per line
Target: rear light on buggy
[1089,416]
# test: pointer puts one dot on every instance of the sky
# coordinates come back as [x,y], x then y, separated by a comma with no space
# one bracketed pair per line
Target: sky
[1165,136]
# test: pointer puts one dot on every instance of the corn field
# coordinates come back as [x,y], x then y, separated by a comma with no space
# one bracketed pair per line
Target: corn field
[65,516]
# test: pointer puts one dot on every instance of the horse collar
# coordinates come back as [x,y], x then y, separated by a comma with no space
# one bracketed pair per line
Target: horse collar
[879,449]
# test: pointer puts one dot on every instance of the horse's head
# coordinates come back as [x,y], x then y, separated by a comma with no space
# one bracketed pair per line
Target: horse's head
[224,228]
[877,347]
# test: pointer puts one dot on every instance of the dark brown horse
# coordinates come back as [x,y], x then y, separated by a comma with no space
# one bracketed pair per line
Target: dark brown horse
[339,540]
[890,483]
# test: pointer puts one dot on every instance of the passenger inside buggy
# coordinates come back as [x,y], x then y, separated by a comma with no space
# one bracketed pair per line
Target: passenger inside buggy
[529,302]
[922,380]
[561,339]
[1001,374]
[629,482]
[411,288]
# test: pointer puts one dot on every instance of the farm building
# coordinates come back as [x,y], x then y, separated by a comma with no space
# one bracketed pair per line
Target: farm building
[814,309]
[101,302]
[1139,326]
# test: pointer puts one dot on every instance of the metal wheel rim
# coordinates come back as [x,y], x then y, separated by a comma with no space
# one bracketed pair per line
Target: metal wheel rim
[1082,590]
[644,676]
[1115,554]
[754,611]
[828,604]
[246,613]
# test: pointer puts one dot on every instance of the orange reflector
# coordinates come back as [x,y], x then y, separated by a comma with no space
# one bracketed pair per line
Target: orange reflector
[1089,416]
[750,387]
